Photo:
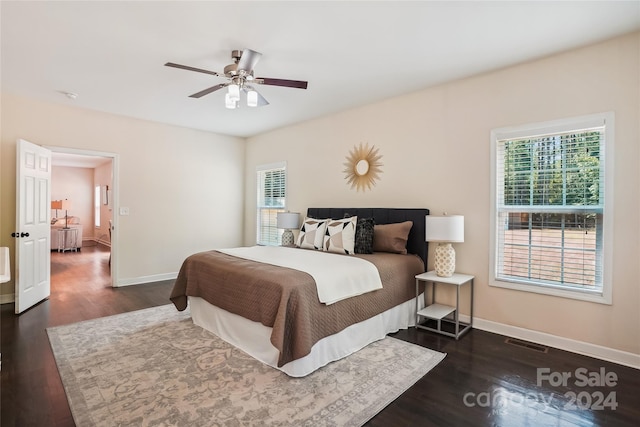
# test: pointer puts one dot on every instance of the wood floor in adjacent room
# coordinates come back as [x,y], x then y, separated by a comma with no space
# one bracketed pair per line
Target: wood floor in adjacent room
[483,381]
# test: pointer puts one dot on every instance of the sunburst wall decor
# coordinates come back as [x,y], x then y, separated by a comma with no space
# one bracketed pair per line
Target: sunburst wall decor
[363,167]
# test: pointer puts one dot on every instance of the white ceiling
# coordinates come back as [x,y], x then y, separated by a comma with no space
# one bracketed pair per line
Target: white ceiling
[352,53]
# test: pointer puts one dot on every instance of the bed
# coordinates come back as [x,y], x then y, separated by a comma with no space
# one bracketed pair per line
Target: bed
[273,312]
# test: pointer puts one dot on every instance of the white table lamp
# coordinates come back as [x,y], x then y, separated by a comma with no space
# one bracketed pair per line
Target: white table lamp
[288,220]
[445,230]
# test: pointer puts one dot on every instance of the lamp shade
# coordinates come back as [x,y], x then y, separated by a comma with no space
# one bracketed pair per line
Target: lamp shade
[56,204]
[288,220]
[449,228]
[234,92]
[228,102]
[252,98]
[66,204]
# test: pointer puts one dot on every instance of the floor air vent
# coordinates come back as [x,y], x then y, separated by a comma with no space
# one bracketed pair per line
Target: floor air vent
[526,344]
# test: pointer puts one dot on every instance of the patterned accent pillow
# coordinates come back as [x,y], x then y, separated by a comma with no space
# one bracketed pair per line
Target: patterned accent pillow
[340,235]
[312,233]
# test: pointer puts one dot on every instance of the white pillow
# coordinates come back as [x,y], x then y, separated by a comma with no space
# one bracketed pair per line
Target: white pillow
[340,235]
[312,233]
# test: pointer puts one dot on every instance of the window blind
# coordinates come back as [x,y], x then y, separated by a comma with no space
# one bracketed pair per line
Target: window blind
[272,189]
[550,207]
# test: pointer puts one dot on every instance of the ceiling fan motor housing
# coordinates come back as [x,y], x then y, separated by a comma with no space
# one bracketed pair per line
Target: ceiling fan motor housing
[235,55]
[231,70]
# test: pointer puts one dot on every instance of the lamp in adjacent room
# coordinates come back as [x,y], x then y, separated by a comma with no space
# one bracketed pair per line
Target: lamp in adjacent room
[66,205]
[288,221]
[56,204]
[445,230]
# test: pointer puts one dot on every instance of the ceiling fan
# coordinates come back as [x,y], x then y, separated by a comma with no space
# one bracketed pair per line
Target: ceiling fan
[241,76]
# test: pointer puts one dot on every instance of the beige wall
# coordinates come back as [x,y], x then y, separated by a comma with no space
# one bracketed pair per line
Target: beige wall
[169,177]
[436,153]
[76,185]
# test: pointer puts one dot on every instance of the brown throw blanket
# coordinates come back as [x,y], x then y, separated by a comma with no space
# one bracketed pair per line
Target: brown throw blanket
[286,299]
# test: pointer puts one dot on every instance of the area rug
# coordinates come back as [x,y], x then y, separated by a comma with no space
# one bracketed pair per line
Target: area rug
[154,367]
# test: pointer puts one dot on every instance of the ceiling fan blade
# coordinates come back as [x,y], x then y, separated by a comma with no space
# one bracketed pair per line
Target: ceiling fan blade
[261,99]
[248,60]
[208,90]
[298,84]
[186,67]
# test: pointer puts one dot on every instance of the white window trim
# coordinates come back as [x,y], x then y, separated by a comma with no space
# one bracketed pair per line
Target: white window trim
[605,296]
[266,167]
[96,207]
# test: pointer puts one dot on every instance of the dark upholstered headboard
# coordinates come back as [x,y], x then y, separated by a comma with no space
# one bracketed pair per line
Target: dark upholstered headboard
[415,244]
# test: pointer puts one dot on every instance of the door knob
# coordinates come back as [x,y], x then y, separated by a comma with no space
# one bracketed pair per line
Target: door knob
[24,234]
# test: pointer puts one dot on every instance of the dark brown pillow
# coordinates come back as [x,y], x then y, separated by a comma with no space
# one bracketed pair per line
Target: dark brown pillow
[391,237]
[364,235]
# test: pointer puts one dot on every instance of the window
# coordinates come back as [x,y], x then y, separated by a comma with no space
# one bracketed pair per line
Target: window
[96,207]
[272,189]
[551,208]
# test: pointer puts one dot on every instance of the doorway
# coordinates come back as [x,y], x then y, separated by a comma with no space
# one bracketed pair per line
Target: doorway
[87,182]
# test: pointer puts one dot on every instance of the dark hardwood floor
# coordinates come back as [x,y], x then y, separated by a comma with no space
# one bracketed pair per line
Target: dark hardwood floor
[483,381]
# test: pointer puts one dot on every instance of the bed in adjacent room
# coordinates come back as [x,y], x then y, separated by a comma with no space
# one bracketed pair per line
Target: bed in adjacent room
[298,309]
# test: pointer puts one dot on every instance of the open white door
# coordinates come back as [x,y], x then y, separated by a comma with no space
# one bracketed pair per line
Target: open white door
[33,235]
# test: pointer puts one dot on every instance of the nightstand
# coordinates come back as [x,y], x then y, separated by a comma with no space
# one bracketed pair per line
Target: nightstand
[68,239]
[438,315]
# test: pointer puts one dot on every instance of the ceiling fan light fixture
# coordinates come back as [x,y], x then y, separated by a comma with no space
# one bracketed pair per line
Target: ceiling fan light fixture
[228,102]
[252,98]
[234,92]
[238,75]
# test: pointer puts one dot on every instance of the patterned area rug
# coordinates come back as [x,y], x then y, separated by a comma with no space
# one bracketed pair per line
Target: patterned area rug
[154,367]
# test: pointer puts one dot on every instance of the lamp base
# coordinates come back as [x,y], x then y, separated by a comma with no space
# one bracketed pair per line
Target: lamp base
[287,238]
[445,260]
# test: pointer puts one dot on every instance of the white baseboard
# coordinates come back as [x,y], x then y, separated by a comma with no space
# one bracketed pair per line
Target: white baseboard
[587,349]
[7,298]
[146,279]
[102,242]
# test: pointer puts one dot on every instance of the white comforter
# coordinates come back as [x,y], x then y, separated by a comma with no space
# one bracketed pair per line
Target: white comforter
[337,276]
